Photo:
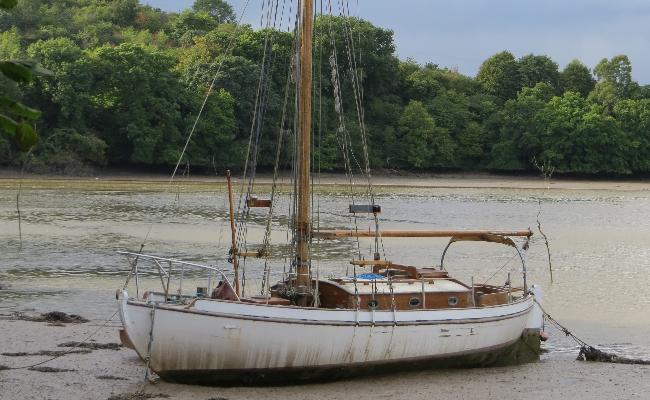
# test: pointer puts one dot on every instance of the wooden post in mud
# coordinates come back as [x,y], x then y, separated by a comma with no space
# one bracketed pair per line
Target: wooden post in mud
[232,228]
[303,226]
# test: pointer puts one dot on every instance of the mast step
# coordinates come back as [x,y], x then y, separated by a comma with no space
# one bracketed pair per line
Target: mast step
[365,209]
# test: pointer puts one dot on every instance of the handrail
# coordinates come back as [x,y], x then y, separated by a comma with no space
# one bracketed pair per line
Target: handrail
[137,255]
[156,259]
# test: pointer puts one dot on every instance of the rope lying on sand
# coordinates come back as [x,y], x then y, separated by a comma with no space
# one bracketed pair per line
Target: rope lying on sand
[66,352]
[587,352]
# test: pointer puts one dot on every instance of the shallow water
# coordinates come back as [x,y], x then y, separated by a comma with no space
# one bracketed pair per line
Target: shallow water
[71,231]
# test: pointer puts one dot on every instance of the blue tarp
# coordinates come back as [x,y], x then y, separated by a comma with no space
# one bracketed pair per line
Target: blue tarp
[370,276]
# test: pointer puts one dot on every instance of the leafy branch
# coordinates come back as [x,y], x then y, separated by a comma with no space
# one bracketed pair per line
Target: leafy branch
[21,71]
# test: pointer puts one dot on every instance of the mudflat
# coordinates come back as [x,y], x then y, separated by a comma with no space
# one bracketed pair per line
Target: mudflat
[379,178]
[104,372]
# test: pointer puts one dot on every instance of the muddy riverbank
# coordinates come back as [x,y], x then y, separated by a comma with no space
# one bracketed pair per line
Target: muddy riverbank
[379,178]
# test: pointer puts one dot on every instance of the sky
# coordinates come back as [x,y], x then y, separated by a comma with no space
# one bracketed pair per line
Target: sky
[464,33]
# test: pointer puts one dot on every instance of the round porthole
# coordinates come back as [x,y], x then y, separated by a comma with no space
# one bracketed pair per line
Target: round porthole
[414,302]
[452,301]
[373,304]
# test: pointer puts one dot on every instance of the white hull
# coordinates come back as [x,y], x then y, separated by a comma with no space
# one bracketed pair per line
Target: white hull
[222,342]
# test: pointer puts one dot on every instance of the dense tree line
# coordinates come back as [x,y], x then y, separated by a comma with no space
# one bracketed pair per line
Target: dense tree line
[129,80]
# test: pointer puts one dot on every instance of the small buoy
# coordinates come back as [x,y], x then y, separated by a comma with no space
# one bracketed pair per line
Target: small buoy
[543,336]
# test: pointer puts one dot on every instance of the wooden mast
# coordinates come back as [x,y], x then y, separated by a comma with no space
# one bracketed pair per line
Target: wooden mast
[302,223]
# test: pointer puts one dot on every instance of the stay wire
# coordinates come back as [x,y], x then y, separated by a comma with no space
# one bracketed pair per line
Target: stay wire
[504,265]
[267,233]
[263,90]
[343,141]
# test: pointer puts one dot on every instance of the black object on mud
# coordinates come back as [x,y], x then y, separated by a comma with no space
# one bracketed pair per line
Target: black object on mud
[588,353]
[139,396]
[50,369]
[49,353]
[92,346]
[58,316]
[111,378]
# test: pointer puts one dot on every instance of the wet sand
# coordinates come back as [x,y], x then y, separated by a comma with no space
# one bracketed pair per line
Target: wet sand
[105,373]
[379,178]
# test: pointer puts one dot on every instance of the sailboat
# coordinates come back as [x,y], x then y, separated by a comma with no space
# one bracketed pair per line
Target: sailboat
[306,328]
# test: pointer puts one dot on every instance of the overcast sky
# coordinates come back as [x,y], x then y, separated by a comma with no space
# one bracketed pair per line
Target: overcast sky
[465,33]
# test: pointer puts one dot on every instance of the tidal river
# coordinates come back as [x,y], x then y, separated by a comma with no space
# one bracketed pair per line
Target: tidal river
[72,230]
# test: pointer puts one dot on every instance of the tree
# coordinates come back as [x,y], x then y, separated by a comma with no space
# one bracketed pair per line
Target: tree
[518,143]
[499,76]
[576,78]
[64,95]
[136,100]
[634,117]
[577,137]
[535,69]
[190,24]
[614,82]
[124,12]
[617,72]
[221,11]
[423,145]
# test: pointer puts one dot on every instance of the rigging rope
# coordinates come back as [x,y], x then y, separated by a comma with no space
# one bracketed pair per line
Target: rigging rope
[258,119]
[267,233]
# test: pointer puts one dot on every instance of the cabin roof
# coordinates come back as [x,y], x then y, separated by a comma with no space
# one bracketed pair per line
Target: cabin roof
[365,286]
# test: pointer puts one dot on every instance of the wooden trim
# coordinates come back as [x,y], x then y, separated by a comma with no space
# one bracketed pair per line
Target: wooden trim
[335,234]
[252,203]
[372,262]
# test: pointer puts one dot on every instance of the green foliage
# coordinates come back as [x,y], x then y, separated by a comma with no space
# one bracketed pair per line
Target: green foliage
[190,24]
[20,71]
[518,143]
[10,44]
[500,76]
[8,4]
[634,117]
[422,143]
[67,144]
[128,81]
[576,78]
[535,69]
[577,137]
[221,11]
[614,82]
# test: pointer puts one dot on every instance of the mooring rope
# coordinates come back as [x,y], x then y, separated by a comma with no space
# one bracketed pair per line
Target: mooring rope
[146,371]
[587,352]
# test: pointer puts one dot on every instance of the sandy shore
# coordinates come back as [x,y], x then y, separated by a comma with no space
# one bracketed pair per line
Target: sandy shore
[105,373]
[379,178]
